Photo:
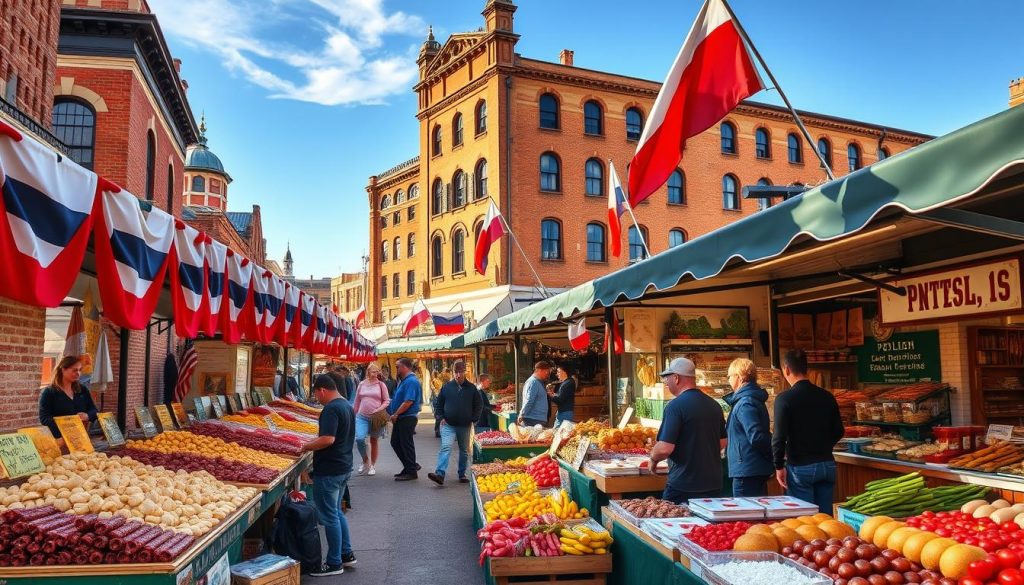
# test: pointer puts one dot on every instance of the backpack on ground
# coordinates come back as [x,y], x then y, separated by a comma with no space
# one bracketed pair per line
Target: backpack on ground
[297,535]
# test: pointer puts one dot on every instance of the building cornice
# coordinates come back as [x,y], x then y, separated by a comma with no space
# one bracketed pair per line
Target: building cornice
[459,95]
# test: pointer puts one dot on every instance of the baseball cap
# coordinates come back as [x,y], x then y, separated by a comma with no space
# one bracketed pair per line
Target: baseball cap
[681,366]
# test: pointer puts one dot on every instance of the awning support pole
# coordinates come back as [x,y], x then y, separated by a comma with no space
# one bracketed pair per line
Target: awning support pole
[774,333]
[515,366]
[975,222]
[284,375]
[609,319]
[149,356]
[122,380]
[896,290]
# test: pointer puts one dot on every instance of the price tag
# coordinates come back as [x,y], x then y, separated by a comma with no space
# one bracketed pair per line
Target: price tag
[565,479]
[270,424]
[145,421]
[512,488]
[108,424]
[563,431]
[19,455]
[179,414]
[201,411]
[265,393]
[73,432]
[47,446]
[255,399]
[164,416]
[625,418]
[243,400]
[218,408]
[998,433]
[581,453]
[236,403]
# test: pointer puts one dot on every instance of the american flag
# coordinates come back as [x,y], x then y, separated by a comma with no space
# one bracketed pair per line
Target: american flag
[186,366]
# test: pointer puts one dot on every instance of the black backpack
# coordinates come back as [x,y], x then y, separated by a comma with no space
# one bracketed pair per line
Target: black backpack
[296,534]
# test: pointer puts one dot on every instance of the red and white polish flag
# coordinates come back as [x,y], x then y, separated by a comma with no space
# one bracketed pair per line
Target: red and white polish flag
[237,311]
[420,315]
[188,273]
[712,73]
[216,280]
[490,232]
[579,336]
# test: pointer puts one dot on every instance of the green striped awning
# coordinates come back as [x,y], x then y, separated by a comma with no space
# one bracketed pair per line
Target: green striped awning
[417,344]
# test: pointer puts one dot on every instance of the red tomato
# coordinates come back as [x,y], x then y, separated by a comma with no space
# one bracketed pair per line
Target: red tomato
[1010,577]
[943,531]
[984,569]
[970,540]
[1008,559]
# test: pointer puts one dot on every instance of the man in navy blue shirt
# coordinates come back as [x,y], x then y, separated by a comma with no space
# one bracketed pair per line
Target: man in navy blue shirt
[690,437]
[404,410]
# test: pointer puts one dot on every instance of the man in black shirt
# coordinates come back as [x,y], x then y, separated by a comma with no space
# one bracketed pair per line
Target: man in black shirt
[332,466]
[565,398]
[807,426]
[458,406]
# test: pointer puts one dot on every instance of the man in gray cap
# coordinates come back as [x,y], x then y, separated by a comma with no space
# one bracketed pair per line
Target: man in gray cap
[691,434]
[458,406]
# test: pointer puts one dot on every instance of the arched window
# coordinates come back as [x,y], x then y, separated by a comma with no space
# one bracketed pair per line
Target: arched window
[676,237]
[396,286]
[385,250]
[636,244]
[74,123]
[883,153]
[550,172]
[677,188]
[457,130]
[436,141]
[825,148]
[385,202]
[634,124]
[150,165]
[550,239]
[594,171]
[764,202]
[796,149]
[595,243]
[549,111]
[853,154]
[459,251]
[459,189]
[397,249]
[198,184]
[438,201]
[170,189]
[593,122]
[762,144]
[384,287]
[436,257]
[728,138]
[399,196]
[414,192]
[411,244]
[410,288]
[481,117]
[480,189]
[730,192]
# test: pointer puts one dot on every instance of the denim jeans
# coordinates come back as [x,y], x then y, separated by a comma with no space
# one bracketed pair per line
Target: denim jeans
[327,493]
[563,415]
[450,434]
[749,487]
[812,483]
[362,432]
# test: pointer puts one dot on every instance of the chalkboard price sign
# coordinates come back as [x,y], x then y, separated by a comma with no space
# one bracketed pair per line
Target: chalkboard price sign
[201,412]
[179,414]
[218,406]
[108,424]
[145,421]
[164,416]
[19,455]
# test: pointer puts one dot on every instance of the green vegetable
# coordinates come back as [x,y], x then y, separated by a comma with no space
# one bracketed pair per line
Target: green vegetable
[908,495]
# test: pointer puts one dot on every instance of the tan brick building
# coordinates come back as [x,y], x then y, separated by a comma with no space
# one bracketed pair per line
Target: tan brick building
[536,137]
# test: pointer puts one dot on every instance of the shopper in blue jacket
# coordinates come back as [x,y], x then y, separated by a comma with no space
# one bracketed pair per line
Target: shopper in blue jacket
[750,439]
[535,397]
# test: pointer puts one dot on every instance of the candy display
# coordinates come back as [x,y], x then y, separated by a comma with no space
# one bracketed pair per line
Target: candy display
[178,442]
[259,439]
[220,467]
[495,438]
[254,418]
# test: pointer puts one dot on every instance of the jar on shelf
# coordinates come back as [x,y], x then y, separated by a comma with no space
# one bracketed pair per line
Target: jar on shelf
[875,412]
[891,412]
[863,410]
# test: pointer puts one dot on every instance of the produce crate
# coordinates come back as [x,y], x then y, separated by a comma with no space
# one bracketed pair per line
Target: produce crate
[706,569]
[583,569]
[617,507]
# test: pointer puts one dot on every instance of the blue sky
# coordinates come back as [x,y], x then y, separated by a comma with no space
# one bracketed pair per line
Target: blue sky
[305,99]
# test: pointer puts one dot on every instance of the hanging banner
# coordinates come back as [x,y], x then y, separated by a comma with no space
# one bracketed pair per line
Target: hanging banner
[823,331]
[803,331]
[287,319]
[838,335]
[216,279]
[45,220]
[786,330]
[188,280]
[237,310]
[973,290]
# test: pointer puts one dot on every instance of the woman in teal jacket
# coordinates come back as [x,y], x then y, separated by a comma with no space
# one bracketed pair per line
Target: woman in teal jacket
[748,428]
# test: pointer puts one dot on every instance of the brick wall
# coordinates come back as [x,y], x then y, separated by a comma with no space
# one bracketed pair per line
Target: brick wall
[21,343]
[120,5]
[28,50]
[136,372]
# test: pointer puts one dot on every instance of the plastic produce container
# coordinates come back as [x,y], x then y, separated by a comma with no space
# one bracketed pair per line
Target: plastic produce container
[706,568]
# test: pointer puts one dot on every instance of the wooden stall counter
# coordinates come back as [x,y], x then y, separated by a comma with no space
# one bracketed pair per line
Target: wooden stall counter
[853,471]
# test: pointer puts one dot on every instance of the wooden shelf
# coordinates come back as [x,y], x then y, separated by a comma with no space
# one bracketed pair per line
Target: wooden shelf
[990,402]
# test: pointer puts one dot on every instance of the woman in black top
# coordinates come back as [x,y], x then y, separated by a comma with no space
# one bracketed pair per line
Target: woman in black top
[565,398]
[65,396]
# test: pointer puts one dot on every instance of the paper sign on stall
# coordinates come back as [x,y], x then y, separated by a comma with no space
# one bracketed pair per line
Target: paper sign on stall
[108,424]
[625,418]
[164,416]
[43,439]
[201,412]
[73,432]
[270,424]
[145,421]
[563,431]
[243,399]
[179,414]
[19,455]
[581,453]
[236,403]
[265,393]
[998,433]
[218,408]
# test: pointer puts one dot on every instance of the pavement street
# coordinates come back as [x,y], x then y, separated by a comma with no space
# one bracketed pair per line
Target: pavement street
[410,533]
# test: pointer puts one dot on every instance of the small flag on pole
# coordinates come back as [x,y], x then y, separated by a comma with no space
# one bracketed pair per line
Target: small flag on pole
[449,323]
[360,317]
[616,207]
[579,336]
[490,232]
[612,330]
[187,365]
[420,315]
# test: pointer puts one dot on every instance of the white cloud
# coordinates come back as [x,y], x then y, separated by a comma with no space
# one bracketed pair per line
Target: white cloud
[350,65]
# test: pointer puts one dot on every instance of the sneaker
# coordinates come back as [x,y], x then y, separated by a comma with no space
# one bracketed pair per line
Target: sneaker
[436,478]
[463,479]
[418,467]
[348,560]
[362,469]
[373,471]
[405,477]
[328,570]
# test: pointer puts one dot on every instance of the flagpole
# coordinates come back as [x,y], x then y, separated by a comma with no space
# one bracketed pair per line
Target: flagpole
[512,235]
[629,207]
[778,88]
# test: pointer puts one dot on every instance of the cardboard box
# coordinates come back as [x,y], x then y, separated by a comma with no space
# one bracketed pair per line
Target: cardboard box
[267,570]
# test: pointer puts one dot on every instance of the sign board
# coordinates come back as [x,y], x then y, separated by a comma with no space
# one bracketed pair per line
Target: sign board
[112,432]
[565,479]
[581,453]
[179,414]
[19,456]
[904,358]
[145,421]
[201,412]
[44,441]
[270,423]
[625,417]
[563,431]
[218,406]
[265,393]
[999,433]
[974,290]
[642,330]
[73,432]
[243,399]
[163,414]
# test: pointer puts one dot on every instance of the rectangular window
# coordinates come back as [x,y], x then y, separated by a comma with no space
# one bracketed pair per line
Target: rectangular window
[412,212]
[396,286]
[411,286]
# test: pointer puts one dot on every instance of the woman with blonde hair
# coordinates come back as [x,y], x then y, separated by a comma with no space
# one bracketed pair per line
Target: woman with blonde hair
[748,428]
[66,396]
[371,402]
